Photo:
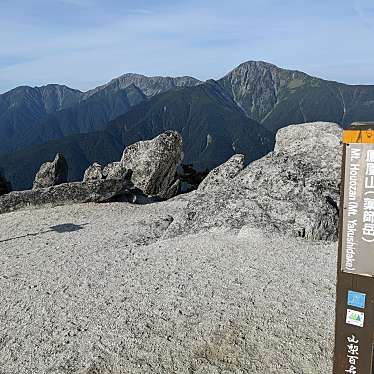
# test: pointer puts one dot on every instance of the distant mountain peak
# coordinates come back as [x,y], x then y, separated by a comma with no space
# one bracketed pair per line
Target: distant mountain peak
[31,115]
[44,99]
[258,63]
[261,66]
[150,86]
[255,91]
[258,86]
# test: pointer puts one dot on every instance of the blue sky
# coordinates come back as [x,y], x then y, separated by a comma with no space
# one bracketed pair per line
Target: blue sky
[84,43]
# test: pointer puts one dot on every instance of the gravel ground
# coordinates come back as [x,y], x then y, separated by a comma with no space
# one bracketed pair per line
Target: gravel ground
[112,296]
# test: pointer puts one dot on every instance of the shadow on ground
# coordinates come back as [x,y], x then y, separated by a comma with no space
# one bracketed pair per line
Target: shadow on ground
[63,228]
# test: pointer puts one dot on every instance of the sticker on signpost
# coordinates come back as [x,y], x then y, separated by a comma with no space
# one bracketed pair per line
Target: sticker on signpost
[355,318]
[356,299]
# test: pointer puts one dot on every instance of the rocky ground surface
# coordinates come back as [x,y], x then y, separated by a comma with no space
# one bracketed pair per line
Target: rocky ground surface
[204,283]
[99,288]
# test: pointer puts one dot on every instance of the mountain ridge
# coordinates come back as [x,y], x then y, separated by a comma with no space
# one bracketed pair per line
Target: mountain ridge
[255,95]
[212,127]
[260,88]
[150,85]
[24,110]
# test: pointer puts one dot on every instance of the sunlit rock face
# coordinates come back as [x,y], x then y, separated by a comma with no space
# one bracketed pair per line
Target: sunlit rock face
[52,173]
[294,189]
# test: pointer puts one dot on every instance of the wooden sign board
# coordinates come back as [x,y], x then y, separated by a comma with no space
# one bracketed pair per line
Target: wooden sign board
[354,328]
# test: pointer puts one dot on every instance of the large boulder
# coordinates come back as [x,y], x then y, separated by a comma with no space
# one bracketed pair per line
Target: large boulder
[52,173]
[293,190]
[154,162]
[223,173]
[151,165]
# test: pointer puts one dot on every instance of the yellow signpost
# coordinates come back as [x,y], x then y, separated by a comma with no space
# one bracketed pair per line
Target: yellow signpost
[354,327]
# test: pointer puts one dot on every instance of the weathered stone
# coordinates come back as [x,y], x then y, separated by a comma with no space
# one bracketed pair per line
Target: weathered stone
[52,173]
[116,170]
[154,162]
[93,172]
[293,190]
[66,193]
[223,173]
[172,191]
[315,137]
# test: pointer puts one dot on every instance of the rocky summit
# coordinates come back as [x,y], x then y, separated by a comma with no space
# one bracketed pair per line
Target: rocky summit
[101,291]
[293,190]
[225,279]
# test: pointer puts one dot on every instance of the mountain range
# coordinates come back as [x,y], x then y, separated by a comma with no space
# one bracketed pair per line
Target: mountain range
[30,116]
[239,113]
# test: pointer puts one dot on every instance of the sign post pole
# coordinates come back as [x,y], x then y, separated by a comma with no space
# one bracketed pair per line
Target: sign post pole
[354,326]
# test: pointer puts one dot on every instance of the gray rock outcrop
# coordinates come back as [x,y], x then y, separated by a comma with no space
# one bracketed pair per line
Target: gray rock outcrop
[151,165]
[154,162]
[52,173]
[293,190]
[172,191]
[223,173]
[116,170]
[93,172]
[66,193]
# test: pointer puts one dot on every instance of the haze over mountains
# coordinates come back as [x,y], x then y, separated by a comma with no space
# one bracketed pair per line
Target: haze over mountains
[239,113]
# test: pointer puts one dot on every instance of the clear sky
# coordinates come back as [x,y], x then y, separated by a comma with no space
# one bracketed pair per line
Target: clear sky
[84,43]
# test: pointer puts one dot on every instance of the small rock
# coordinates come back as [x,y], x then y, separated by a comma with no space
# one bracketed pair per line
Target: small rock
[52,173]
[93,172]
[117,170]
[172,191]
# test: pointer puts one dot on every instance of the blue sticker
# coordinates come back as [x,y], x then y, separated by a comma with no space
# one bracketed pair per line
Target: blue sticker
[356,299]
